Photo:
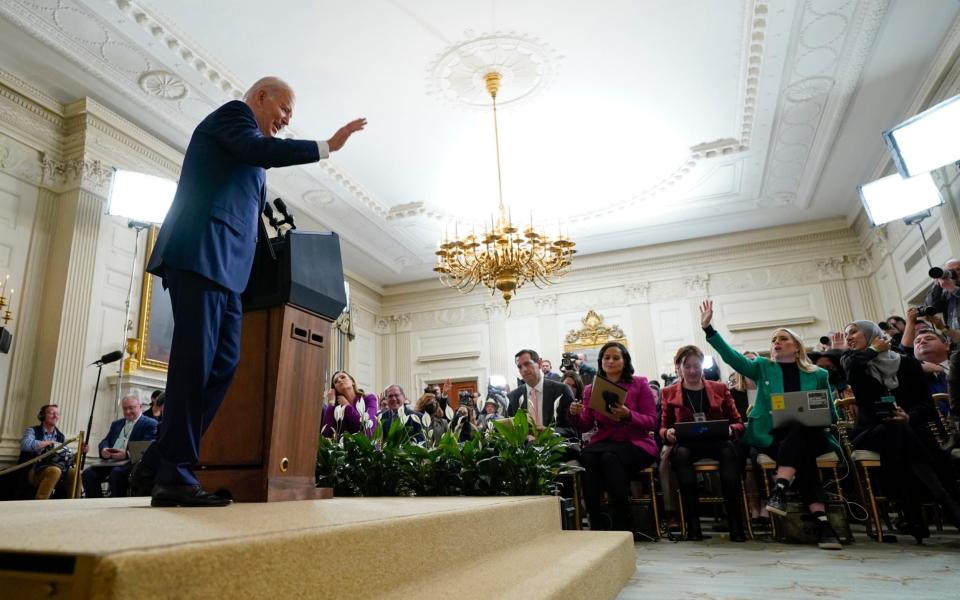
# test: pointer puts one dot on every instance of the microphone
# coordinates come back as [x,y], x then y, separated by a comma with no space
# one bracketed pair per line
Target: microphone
[108,358]
[271,217]
[287,217]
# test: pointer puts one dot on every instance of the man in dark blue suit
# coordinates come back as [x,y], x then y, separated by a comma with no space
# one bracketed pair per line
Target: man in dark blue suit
[133,427]
[398,411]
[204,253]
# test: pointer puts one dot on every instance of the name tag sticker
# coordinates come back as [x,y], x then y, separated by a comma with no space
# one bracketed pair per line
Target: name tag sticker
[776,401]
[818,400]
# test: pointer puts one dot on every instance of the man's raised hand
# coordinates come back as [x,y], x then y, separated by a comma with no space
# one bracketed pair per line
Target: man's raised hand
[343,134]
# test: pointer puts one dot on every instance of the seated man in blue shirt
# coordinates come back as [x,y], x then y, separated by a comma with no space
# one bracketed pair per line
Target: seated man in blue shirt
[133,427]
[46,474]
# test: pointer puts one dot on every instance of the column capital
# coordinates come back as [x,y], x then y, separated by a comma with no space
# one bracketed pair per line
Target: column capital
[831,268]
[637,292]
[62,175]
[546,305]
[697,284]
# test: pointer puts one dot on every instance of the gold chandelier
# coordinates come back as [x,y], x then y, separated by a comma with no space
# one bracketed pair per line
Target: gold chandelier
[501,257]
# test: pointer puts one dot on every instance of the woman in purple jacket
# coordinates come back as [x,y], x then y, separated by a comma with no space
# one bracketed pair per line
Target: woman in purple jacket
[622,445]
[346,406]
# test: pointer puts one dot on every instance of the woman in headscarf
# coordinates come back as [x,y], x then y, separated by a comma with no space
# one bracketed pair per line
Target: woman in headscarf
[892,401]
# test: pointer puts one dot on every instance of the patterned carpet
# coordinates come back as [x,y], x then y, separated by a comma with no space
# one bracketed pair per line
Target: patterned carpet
[717,569]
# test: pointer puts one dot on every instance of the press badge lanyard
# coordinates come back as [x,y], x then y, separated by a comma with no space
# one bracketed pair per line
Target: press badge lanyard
[698,415]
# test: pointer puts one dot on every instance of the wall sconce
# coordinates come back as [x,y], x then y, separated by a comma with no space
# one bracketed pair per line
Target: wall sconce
[6,303]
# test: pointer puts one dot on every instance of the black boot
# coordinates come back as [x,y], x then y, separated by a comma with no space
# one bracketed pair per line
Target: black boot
[929,480]
[691,517]
[915,525]
[735,519]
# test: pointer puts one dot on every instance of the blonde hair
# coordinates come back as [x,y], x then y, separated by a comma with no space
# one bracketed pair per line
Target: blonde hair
[740,381]
[803,361]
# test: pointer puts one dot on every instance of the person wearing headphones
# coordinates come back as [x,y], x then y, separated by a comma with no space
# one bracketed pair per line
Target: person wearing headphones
[48,474]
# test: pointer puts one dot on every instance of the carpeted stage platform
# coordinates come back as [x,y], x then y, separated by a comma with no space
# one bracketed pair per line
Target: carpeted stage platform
[340,548]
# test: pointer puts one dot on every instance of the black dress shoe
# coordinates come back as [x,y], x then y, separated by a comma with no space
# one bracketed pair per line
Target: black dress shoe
[737,535]
[185,495]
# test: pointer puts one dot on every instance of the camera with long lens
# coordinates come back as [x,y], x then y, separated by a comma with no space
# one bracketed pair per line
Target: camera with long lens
[568,362]
[824,340]
[926,311]
[938,273]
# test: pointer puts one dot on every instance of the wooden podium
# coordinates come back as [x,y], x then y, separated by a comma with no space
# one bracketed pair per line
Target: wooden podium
[262,444]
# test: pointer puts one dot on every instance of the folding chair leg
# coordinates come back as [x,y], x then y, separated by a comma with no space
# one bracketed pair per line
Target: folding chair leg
[875,512]
[653,503]
[746,508]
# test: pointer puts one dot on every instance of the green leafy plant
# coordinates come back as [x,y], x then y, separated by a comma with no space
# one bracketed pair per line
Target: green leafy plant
[506,459]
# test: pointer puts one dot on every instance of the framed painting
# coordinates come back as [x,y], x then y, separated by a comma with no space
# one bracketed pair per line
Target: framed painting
[155,331]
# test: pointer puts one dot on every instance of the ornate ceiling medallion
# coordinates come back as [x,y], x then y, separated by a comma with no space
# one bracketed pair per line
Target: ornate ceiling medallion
[163,84]
[526,64]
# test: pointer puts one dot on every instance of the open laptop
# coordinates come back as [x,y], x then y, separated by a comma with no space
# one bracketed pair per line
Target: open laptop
[810,408]
[695,431]
[135,450]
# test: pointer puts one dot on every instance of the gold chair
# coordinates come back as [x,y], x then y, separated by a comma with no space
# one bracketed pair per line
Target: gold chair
[638,496]
[709,465]
[863,461]
[828,461]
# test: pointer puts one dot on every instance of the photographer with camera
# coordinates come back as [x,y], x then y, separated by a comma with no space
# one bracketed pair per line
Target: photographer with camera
[944,296]
[465,417]
[893,408]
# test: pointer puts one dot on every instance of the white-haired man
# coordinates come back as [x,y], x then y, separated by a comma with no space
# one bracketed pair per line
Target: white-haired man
[204,254]
[133,427]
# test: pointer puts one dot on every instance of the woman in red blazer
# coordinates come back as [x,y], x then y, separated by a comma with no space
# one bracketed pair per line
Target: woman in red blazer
[692,398]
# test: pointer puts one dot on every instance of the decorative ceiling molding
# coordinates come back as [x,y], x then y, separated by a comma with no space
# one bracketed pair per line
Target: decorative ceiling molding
[829,54]
[528,66]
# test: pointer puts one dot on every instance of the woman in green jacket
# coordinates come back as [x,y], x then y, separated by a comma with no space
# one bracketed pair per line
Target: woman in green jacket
[794,447]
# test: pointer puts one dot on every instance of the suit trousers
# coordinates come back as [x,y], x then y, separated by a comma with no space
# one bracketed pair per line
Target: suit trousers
[117,479]
[203,358]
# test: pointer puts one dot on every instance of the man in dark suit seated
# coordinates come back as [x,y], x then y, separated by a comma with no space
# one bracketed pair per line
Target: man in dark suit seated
[540,396]
[397,409]
[204,254]
[133,427]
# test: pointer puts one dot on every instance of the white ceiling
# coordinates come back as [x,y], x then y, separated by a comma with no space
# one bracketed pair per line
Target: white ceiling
[639,122]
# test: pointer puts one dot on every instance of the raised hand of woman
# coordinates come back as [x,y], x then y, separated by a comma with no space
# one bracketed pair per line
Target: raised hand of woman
[706,313]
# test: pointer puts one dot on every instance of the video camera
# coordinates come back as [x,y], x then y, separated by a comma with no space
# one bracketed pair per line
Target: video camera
[926,311]
[466,398]
[938,273]
[568,362]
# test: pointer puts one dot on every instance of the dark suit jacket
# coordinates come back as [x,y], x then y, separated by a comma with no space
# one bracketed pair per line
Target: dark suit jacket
[211,228]
[551,389]
[145,429]
[386,421]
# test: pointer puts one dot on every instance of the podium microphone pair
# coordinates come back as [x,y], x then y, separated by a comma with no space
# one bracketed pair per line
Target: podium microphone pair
[268,210]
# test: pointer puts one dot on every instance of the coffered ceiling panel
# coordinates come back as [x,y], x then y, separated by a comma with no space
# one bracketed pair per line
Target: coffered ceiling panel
[623,122]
